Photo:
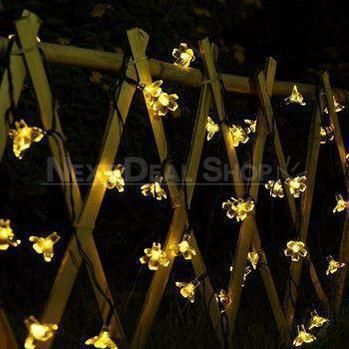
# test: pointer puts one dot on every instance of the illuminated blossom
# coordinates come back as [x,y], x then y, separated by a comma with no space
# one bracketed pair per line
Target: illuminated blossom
[333,265]
[102,341]
[251,126]
[296,185]
[23,136]
[275,188]
[295,97]
[154,189]
[114,178]
[238,208]
[38,332]
[337,106]
[187,290]
[224,299]
[303,337]
[184,248]
[316,320]
[184,55]
[341,204]
[155,257]
[326,134]
[253,257]
[7,236]
[45,246]
[212,128]
[295,250]
[238,135]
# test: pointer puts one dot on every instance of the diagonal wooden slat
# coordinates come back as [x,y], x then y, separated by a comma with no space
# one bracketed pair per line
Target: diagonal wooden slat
[7,339]
[306,205]
[268,111]
[247,230]
[65,170]
[344,247]
[250,224]
[137,39]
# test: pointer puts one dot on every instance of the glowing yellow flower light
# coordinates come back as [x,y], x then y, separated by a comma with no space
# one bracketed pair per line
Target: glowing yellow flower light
[7,236]
[223,298]
[155,257]
[38,332]
[165,103]
[184,55]
[187,290]
[238,208]
[103,340]
[238,135]
[333,265]
[152,92]
[326,134]
[316,320]
[45,246]
[251,125]
[303,337]
[184,248]
[295,97]
[114,178]
[275,188]
[295,250]
[253,257]
[23,136]
[296,185]
[154,189]
[212,128]
[341,204]
[337,106]
[248,271]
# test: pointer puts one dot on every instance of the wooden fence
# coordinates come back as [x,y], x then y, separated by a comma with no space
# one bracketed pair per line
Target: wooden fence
[26,59]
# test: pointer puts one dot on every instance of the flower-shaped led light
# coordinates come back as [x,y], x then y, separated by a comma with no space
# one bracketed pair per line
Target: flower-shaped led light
[239,135]
[296,185]
[184,248]
[155,257]
[212,128]
[187,290]
[251,126]
[295,250]
[23,136]
[154,189]
[275,188]
[238,208]
[337,106]
[152,92]
[333,266]
[38,332]
[341,204]
[248,271]
[103,340]
[114,179]
[224,299]
[326,134]
[7,236]
[295,97]
[253,257]
[303,337]
[165,103]
[184,55]
[316,320]
[45,246]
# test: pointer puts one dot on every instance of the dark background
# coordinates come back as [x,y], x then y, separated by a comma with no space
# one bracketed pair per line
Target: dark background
[305,37]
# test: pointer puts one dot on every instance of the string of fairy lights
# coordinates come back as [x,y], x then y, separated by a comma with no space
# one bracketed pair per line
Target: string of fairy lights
[160,103]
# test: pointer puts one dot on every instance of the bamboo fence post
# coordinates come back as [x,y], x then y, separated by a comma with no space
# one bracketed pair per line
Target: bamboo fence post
[344,246]
[44,97]
[7,338]
[138,41]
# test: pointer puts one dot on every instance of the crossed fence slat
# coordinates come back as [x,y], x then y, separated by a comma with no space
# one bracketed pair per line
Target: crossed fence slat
[40,83]
[138,41]
[86,212]
[344,247]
